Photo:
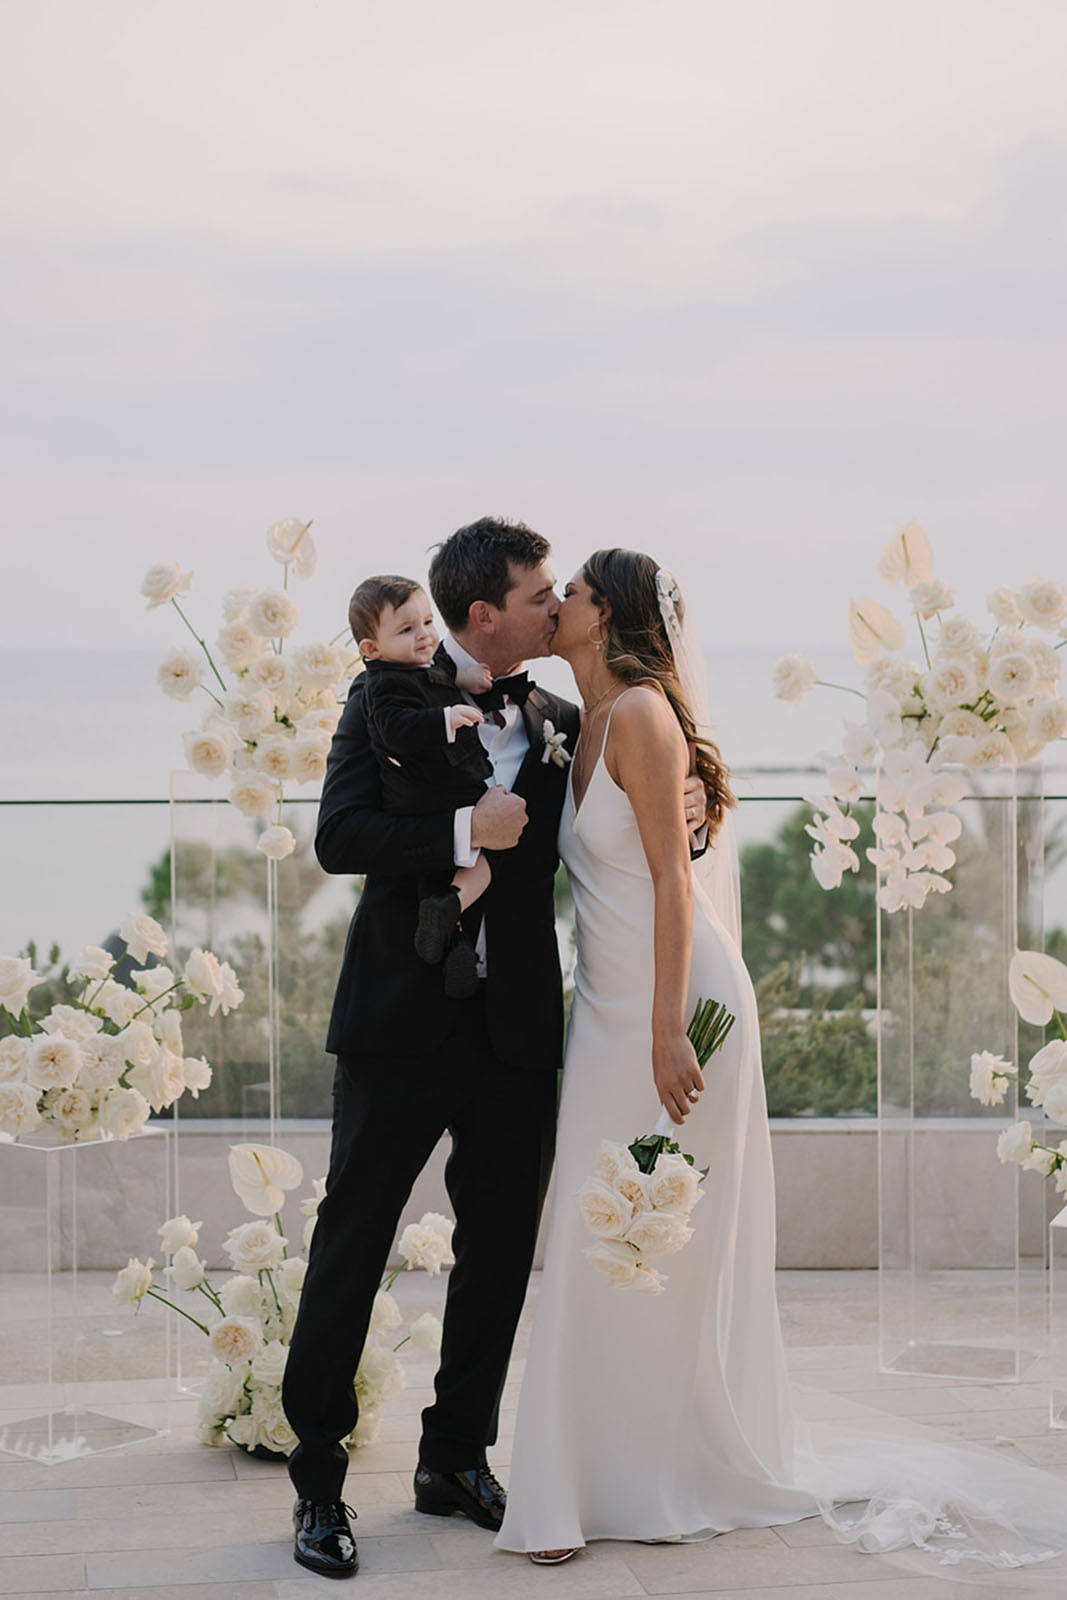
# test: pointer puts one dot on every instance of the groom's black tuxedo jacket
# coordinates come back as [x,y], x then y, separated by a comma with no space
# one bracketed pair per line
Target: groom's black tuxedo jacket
[388,1001]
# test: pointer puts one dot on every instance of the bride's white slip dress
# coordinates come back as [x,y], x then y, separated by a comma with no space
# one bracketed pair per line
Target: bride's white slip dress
[671,1416]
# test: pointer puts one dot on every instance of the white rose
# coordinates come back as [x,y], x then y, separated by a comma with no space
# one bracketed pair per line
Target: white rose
[244,1431]
[317,666]
[290,543]
[223,1391]
[197,1074]
[322,720]
[992,750]
[249,710]
[931,597]
[153,981]
[133,1282]
[613,1160]
[291,1274]
[367,1428]
[646,1280]
[122,1111]
[71,1109]
[143,936]
[161,1081]
[102,1064]
[275,1431]
[272,614]
[72,1022]
[54,1062]
[950,683]
[793,676]
[439,1224]
[1047,720]
[208,752]
[14,1056]
[235,1339]
[254,1246]
[17,978]
[178,1233]
[92,963]
[179,674]
[1048,663]
[167,1027]
[268,1364]
[1012,677]
[426,1334]
[615,1259]
[990,1077]
[274,674]
[230,994]
[385,1315]
[1039,1161]
[240,645]
[186,1271]
[276,842]
[1015,1142]
[274,755]
[1004,607]
[253,794]
[203,974]
[633,1186]
[605,1212]
[1043,603]
[309,757]
[235,603]
[424,1248]
[958,637]
[162,582]
[380,1373]
[1047,1067]
[18,1108]
[242,1297]
[658,1233]
[961,722]
[137,1044]
[674,1185]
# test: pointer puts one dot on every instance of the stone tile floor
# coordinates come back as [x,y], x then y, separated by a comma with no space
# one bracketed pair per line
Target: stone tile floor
[170,1520]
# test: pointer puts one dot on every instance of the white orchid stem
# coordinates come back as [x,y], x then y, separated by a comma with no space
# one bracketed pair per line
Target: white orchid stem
[200,642]
[844,687]
[164,1301]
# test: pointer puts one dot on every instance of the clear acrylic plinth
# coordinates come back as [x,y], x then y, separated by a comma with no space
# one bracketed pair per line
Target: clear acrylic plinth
[81,1373]
[1057,1319]
[961,1241]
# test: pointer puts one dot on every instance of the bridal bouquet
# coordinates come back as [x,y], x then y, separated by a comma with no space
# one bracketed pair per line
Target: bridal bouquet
[249,1319]
[95,1067]
[973,700]
[638,1201]
[274,720]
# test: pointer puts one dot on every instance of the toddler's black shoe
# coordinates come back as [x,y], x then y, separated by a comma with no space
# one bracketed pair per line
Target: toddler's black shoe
[438,915]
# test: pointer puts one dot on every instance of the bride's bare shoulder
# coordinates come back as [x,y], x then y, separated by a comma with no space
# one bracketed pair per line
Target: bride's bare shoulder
[644,713]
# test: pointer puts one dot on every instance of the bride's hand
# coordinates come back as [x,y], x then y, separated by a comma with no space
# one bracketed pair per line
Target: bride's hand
[676,1073]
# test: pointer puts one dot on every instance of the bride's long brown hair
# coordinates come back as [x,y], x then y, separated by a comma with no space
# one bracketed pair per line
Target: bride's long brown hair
[638,650]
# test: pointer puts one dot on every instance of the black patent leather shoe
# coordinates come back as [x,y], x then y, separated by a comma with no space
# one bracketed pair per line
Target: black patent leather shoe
[324,1541]
[474,1494]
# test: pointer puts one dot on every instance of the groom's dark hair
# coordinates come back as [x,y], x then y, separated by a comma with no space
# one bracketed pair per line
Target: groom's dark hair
[474,564]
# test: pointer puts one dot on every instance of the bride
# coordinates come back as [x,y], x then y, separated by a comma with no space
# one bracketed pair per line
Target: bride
[670,1416]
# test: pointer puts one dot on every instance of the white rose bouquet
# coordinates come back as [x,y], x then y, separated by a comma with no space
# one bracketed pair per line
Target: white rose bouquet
[274,720]
[250,1317]
[638,1200]
[96,1067]
[973,701]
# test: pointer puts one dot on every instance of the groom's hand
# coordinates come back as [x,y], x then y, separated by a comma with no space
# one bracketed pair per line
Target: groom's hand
[498,820]
[696,804]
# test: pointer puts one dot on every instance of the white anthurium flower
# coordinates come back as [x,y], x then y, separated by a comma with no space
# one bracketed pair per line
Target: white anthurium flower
[793,677]
[1038,986]
[1043,603]
[872,630]
[1003,605]
[179,674]
[290,542]
[908,557]
[1015,1143]
[261,1175]
[1047,720]
[162,582]
[554,743]
[1047,1067]
[276,842]
[930,597]
[860,745]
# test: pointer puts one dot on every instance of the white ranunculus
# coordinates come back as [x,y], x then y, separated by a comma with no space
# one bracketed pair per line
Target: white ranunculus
[274,756]
[162,582]
[990,1077]
[1038,986]
[615,1259]
[197,1074]
[290,543]
[133,1282]
[92,963]
[309,757]
[1043,603]
[1048,663]
[17,978]
[143,936]
[123,1112]
[274,674]
[268,1364]
[613,1160]
[242,1296]
[1012,677]
[673,1185]
[291,1274]
[14,1056]
[424,1248]
[102,1064]
[1048,720]
[253,794]
[179,674]
[235,1339]
[318,666]
[872,630]
[276,842]
[222,1394]
[951,682]
[54,1062]
[261,1175]
[177,1233]
[249,710]
[793,676]
[439,1224]
[254,1246]
[908,557]
[1047,1067]
[240,645]
[272,614]
[605,1211]
[659,1233]
[1003,605]
[209,751]
[992,750]
[18,1108]
[202,974]
[931,596]
[71,1109]
[1014,1144]
[244,1431]
[426,1334]
[137,1044]
[275,1430]
[186,1270]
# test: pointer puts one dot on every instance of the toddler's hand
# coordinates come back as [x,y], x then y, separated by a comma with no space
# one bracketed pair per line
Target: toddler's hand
[465,716]
[476,679]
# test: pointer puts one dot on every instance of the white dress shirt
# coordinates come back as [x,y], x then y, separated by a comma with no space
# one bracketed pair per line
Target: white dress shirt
[506,748]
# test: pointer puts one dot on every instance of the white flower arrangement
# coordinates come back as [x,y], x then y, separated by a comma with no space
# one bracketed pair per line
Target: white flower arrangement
[273,722]
[251,1316]
[95,1068]
[976,702]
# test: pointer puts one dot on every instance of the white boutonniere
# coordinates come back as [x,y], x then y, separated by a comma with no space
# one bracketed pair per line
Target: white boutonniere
[554,743]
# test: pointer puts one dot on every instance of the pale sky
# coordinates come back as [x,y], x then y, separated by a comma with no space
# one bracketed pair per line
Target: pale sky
[747,285]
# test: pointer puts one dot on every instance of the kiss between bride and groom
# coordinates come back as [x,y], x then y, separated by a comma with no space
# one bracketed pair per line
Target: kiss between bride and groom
[455,785]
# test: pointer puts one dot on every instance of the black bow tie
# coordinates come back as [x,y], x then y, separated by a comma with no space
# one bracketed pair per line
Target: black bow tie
[517,688]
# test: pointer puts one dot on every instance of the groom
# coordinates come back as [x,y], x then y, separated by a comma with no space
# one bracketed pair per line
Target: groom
[413,1063]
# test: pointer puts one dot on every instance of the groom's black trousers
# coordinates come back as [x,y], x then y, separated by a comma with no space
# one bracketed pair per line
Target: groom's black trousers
[389,1113]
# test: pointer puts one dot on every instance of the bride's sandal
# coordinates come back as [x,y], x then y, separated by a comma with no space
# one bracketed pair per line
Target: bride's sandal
[551,1558]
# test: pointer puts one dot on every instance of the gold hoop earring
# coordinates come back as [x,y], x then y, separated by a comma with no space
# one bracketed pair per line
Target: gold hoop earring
[598,644]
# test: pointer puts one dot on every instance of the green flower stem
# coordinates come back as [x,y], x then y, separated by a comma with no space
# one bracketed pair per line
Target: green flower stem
[205,1288]
[278,1224]
[265,1272]
[149,1004]
[343,631]
[844,687]
[922,636]
[391,1279]
[210,692]
[164,1301]
[1061,1023]
[402,1343]
[200,642]
[88,1004]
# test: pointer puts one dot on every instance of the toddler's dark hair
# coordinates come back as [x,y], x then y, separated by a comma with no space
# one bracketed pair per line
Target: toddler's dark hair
[371,598]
